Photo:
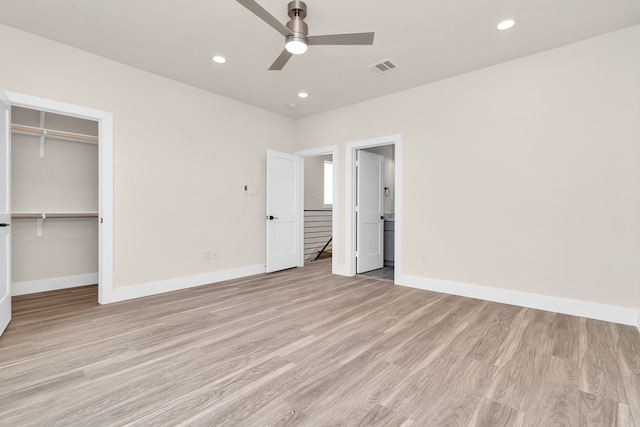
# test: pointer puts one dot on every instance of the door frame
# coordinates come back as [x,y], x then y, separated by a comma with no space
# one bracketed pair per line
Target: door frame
[323,151]
[5,213]
[350,189]
[105,178]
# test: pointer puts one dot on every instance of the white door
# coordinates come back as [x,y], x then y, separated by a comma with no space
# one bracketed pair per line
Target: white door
[284,211]
[369,211]
[5,212]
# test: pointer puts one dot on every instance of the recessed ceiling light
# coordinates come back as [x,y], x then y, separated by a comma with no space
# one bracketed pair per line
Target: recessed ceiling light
[303,94]
[219,59]
[506,24]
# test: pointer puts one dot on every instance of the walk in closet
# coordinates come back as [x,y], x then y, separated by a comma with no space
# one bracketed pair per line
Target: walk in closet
[54,197]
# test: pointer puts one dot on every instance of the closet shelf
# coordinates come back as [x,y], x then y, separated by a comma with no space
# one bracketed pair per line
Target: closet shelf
[55,134]
[41,216]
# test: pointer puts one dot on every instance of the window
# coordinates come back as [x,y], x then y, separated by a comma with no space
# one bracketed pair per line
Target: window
[328,184]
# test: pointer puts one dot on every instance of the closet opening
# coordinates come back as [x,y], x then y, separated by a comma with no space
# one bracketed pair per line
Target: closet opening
[55,190]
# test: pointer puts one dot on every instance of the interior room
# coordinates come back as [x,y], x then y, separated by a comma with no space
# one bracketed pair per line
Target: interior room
[263,212]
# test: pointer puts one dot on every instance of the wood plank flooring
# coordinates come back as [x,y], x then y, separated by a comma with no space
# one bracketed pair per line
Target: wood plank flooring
[305,348]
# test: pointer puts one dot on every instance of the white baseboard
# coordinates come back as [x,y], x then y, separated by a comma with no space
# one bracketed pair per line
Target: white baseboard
[53,284]
[179,283]
[591,310]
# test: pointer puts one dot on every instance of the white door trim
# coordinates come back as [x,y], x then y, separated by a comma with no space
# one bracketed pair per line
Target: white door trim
[5,212]
[350,180]
[105,165]
[335,242]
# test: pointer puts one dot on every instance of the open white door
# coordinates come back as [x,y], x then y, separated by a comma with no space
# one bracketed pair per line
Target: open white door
[5,212]
[284,211]
[369,211]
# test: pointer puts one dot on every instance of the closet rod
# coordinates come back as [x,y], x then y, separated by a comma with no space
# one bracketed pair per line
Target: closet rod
[53,215]
[68,136]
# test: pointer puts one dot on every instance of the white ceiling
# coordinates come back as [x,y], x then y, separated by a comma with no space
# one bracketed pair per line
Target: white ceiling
[428,39]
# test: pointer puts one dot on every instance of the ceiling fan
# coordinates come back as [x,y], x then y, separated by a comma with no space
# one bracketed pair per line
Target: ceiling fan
[296,30]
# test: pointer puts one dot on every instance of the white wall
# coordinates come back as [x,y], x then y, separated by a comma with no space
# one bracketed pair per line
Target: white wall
[181,158]
[523,176]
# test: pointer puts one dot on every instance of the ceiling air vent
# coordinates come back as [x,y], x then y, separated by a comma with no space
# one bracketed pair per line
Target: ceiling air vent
[382,67]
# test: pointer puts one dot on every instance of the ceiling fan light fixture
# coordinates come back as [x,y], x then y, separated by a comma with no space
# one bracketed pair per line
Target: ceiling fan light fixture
[296,45]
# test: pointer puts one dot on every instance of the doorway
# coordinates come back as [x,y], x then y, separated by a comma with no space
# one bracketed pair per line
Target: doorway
[103,216]
[54,201]
[320,186]
[385,236]
[318,207]
[392,147]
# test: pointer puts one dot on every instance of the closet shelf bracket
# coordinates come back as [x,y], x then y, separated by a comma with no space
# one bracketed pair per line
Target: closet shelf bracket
[40,221]
[42,137]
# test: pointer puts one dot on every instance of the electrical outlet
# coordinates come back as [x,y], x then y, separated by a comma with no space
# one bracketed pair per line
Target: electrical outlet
[207,254]
[423,258]
[214,254]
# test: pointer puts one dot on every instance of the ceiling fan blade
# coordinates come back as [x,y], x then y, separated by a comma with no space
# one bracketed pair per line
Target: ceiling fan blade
[281,61]
[261,13]
[342,39]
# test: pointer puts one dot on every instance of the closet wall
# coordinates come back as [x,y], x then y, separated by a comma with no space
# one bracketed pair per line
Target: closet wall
[60,178]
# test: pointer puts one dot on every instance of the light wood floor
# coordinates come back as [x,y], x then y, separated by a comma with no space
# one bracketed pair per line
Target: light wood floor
[302,347]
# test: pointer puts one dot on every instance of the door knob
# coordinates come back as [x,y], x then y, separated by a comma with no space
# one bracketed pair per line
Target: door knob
[383,217]
[271,217]
[4,224]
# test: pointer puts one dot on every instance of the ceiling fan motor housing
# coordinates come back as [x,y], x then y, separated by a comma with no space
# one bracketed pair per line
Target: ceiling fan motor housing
[297,8]
[297,13]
